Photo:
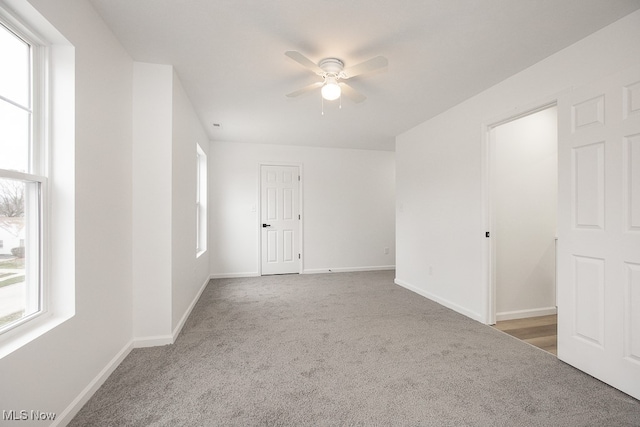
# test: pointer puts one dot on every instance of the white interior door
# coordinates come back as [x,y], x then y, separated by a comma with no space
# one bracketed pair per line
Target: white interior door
[280,219]
[599,230]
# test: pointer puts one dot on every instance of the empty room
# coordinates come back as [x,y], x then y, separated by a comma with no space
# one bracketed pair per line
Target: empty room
[319,213]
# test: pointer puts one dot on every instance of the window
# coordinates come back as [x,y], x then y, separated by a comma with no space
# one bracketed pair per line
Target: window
[37,183]
[22,177]
[201,201]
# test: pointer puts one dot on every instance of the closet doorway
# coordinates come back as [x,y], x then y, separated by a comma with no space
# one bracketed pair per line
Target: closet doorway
[523,210]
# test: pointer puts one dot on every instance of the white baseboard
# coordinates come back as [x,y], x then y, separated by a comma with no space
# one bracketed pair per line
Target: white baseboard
[441,301]
[156,341]
[233,275]
[347,269]
[307,271]
[67,415]
[70,411]
[187,313]
[523,314]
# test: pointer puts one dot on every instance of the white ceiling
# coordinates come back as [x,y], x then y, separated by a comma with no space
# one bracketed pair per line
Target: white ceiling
[229,55]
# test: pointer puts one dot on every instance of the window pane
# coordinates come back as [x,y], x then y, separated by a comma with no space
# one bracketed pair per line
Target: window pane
[201,201]
[15,70]
[14,137]
[19,255]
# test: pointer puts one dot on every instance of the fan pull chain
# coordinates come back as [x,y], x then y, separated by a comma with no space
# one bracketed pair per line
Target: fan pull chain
[322,104]
[340,107]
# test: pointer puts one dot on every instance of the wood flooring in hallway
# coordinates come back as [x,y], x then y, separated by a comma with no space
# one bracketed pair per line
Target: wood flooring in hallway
[538,331]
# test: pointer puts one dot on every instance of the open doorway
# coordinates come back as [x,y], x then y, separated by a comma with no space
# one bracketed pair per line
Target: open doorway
[523,216]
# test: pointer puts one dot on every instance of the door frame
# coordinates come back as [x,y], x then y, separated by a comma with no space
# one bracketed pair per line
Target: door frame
[488,220]
[259,212]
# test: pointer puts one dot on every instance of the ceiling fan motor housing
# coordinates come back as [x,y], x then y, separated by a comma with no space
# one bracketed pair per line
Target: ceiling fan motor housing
[331,66]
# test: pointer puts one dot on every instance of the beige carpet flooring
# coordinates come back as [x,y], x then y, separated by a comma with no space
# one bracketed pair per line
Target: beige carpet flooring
[345,349]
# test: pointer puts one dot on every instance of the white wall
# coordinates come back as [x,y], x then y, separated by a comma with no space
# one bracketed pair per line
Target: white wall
[188,273]
[51,371]
[152,156]
[348,207]
[167,275]
[441,248]
[134,172]
[524,191]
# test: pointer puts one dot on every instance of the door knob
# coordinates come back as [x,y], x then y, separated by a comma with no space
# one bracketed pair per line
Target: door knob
[266,225]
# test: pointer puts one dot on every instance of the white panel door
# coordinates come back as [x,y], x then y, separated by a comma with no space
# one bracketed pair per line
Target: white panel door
[599,230]
[280,219]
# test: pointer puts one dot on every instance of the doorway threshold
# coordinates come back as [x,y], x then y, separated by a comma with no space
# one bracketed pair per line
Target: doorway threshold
[541,332]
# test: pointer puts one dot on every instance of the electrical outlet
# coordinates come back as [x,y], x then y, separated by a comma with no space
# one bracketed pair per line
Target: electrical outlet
[430,271]
[386,251]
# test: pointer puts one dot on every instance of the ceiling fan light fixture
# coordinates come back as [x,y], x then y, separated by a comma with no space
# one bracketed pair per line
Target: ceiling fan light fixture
[333,76]
[330,90]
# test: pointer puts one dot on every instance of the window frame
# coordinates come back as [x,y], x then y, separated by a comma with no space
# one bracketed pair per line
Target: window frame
[201,201]
[57,85]
[35,239]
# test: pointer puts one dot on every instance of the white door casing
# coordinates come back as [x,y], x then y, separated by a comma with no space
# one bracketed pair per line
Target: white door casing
[599,230]
[489,216]
[280,219]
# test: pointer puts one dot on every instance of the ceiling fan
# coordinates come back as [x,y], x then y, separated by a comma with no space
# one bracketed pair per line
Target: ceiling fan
[333,75]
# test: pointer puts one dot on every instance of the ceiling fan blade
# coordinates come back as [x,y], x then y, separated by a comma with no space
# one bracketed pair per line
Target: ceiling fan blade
[304,61]
[366,67]
[351,93]
[305,89]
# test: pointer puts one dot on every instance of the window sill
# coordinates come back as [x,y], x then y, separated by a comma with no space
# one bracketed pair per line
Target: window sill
[23,334]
